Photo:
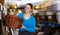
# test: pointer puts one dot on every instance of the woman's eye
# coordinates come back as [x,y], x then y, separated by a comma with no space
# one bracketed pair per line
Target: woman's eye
[27,8]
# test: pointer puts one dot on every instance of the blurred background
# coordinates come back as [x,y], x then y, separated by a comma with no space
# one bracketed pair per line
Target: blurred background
[46,12]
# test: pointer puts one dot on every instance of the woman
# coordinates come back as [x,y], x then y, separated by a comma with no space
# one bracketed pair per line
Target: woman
[29,22]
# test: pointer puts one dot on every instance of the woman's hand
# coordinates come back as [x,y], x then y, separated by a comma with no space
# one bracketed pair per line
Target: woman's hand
[23,27]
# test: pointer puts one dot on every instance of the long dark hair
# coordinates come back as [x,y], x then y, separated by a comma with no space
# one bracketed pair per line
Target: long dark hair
[30,5]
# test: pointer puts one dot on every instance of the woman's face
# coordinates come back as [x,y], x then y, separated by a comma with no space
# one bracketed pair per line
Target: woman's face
[28,9]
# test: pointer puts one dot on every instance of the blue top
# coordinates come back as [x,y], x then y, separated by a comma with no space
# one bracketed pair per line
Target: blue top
[30,24]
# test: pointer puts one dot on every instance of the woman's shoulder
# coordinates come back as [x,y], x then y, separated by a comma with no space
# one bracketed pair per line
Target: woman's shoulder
[20,15]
